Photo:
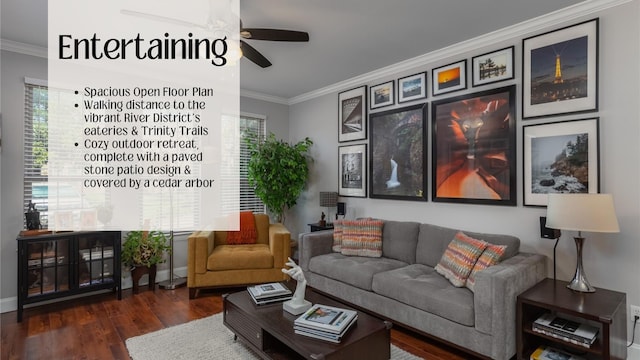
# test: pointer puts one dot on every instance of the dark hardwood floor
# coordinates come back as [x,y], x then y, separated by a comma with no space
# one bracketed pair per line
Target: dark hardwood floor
[96,327]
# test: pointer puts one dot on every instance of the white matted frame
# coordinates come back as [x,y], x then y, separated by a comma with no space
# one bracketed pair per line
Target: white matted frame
[352,160]
[560,71]
[492,67]
[449,78]
[381,95]
[412,87]
[352,114]
[560,157]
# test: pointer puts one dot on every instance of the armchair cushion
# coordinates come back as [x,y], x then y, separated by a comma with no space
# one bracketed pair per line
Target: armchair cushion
[247,233]
[236,257]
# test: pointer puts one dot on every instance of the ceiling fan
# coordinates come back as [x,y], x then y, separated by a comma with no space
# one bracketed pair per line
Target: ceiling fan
[248,51]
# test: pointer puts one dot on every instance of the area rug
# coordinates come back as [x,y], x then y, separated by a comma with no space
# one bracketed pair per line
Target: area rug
[205,338]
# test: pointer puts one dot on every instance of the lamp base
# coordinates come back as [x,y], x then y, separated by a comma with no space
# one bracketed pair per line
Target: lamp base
[579,281]
[296,309]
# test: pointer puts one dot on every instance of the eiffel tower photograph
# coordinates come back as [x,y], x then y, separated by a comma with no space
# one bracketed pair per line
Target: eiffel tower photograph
[559,71]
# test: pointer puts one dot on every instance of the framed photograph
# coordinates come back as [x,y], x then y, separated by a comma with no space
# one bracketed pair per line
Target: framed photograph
[560,71]
[381,95]
[397,159]
[449,78]
[474,148]
[352,160]
[352,114]
[492,67]
[560,157]
[412,87]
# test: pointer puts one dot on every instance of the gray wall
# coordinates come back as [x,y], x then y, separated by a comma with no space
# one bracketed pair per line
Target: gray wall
[610,260]
[14,68]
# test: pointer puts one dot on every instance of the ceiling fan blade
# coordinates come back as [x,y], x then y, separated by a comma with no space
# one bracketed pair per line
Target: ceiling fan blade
[274,34]
[161,18]
[254,55]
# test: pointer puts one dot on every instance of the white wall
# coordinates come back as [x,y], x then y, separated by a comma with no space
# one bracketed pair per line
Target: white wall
[611,260]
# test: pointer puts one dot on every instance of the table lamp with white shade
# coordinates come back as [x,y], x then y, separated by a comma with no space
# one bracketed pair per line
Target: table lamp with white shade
[582,212]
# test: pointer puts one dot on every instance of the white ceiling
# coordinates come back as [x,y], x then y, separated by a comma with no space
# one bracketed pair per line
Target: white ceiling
[347,37]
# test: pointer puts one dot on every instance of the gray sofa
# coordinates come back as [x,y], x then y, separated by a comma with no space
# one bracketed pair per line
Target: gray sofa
[403,286]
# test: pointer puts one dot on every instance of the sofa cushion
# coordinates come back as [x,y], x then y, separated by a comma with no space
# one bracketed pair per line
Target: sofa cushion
[399,239]
[458,260]
[490,256]
[354,270]
[337,236]
[422,287]
[362,237]
[235,257]
[433,241]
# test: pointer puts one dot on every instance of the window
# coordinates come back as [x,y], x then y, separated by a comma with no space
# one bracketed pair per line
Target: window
[249,125]
[35,147]
[72,203]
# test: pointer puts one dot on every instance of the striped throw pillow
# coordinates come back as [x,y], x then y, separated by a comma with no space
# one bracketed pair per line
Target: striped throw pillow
[362,237]
[337,236]
[490,256]
[459,258]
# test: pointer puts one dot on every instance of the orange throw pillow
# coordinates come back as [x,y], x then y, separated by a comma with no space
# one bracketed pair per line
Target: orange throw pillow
[247,233]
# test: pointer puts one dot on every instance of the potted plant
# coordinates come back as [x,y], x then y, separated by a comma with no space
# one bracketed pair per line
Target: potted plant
[278,171]
[141,252]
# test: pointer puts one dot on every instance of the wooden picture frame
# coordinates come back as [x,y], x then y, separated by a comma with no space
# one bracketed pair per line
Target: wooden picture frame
[412,87]
[352,170]
[560,157]
[560,71]
[381,95]
[449,78]
[492,67]
[397,160]
[352,114]
[474,148]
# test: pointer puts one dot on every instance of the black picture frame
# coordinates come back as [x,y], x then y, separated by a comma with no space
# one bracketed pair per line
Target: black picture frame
[560,71]
[352,114]
[381,95]
[412,87]
[352,170]
[556,158]
[449,78]
[492,67]
[474,148]
[397,154]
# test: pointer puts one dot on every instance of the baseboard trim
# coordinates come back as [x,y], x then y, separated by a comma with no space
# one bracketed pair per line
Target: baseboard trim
[633,353]
[11,303]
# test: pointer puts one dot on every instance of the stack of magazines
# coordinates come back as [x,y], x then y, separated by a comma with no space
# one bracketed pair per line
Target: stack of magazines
[567,330]
[269,293]
[550,353]
[325,322]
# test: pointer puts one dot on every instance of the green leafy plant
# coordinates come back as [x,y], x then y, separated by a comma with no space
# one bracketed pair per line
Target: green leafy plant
[141,250]
[278,171]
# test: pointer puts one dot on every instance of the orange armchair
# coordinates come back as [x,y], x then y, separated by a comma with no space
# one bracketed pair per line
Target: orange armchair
[211,262]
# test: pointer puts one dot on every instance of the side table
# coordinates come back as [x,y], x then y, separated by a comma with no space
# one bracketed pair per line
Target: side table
[605,309]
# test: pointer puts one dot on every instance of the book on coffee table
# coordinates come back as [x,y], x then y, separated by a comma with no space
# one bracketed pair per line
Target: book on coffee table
[323,335]
[269,293]
[326,318]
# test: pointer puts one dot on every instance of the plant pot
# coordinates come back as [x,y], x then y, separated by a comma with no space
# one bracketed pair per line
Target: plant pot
[138,271]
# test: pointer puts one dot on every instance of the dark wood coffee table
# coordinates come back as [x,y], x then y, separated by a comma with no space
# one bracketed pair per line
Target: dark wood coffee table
[268,330]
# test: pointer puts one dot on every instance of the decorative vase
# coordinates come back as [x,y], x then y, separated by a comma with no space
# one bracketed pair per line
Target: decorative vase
[139,270]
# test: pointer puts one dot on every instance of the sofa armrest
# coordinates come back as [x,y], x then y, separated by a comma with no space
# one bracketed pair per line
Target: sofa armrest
[199,247]
[496,290]
[279,244]
[313,244]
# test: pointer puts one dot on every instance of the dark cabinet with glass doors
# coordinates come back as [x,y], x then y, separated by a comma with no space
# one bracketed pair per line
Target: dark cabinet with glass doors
[52,266]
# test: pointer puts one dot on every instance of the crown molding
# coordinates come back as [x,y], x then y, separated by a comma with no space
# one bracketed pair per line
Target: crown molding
[517,31]
[264,97]
[22,48]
